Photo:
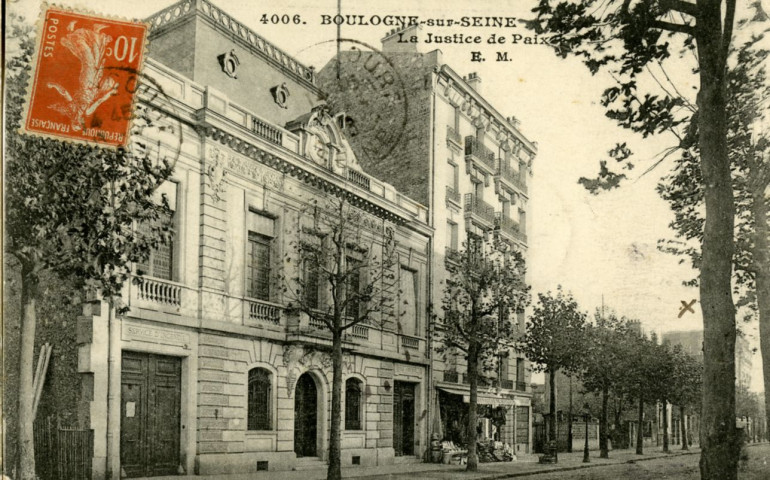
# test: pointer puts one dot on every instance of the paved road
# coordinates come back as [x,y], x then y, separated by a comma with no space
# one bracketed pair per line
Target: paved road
[678,468]
[671,467]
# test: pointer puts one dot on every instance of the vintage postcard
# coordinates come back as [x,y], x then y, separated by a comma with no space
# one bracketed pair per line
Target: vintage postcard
[317,239]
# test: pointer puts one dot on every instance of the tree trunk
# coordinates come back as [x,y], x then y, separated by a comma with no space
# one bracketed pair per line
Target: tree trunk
[683,419]
[569,419]
[640,428]
[604,451]
[25,398]
[473,380]
[665,426]
[334,471]
[762,280]
[552,412]
[720,448]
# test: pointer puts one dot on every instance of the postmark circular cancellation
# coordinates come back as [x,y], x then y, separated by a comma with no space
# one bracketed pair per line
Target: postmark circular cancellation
[368,87]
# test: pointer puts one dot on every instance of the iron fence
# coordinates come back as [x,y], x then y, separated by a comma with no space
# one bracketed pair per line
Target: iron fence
[62,453]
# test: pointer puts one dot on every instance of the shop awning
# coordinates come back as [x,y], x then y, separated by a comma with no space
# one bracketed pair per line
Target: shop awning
[483,398]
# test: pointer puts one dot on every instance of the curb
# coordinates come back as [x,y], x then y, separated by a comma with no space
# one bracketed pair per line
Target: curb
[500,476]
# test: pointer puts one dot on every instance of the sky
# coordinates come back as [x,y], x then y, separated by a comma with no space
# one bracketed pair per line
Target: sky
[601,248]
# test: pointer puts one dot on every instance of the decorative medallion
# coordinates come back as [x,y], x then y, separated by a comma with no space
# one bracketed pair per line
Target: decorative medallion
[229,63]
[281,95]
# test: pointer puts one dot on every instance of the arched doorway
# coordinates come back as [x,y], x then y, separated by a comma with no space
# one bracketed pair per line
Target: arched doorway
[306,417]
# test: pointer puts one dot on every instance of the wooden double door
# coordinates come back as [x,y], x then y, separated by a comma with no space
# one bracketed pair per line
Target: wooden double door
[403,418]
[150,414]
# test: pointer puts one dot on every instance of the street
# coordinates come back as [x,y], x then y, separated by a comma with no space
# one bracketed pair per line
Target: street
[679,468]
[621,465]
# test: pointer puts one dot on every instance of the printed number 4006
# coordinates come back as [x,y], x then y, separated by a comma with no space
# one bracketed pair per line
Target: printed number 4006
[284,19]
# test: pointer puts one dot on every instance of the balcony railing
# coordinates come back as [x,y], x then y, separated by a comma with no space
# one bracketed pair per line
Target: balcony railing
[451,377]
[454,136]
[478,207]
[521,386]
[266,131]
[477,151]
[509,227]
[410,342]
[504,170]
[507,384]
[359,179]
[452,195]
[359,331]
[506,224]
[159,291]
[316,322]
[520,183]
[261,311]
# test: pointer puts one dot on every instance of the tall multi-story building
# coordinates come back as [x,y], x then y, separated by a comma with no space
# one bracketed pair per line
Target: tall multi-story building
[430,132]
[209,372]
[692,343]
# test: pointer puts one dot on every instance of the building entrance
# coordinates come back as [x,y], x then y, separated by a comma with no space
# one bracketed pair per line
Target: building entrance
[149,414]
[305,417]
[403,418]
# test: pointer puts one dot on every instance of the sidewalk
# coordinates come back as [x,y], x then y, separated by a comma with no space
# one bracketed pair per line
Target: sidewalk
[487,471]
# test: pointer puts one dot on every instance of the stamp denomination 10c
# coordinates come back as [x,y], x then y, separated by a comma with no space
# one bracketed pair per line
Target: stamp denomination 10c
[85,78]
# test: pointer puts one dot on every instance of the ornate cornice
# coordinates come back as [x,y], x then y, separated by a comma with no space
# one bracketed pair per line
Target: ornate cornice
[324,181]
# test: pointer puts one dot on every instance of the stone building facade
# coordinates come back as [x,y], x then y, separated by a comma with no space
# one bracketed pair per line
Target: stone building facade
[209,371]
[432,133]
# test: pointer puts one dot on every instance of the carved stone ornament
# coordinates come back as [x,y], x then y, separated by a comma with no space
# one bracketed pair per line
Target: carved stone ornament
[318,146]
[229,63]
[216,174]
[281,95]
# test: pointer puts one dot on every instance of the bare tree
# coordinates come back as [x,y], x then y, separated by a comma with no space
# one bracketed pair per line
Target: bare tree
[339,284]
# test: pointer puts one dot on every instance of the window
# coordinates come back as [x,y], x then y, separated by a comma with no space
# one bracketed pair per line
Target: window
[353,287]
[353,404]
[161,261]
[503,368]
[259,266]
[523,220]
[520,371]
[408,288]
[478,190]
[260,396]
[453,118]
[455,177]
[258,256]
[452,235]
[475,246]
[311,274]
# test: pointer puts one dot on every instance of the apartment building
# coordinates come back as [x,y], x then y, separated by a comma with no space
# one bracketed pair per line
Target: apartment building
[431,132]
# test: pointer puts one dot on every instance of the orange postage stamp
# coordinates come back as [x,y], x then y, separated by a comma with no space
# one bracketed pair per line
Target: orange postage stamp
[85,77]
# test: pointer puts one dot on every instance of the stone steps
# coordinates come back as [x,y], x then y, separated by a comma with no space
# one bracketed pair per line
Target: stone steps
[309,463]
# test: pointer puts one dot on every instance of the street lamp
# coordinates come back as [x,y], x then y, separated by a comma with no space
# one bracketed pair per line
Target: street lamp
[587,416]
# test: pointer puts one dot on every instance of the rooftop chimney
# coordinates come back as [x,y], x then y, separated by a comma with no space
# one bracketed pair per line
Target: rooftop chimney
[399,40]
[474,81]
